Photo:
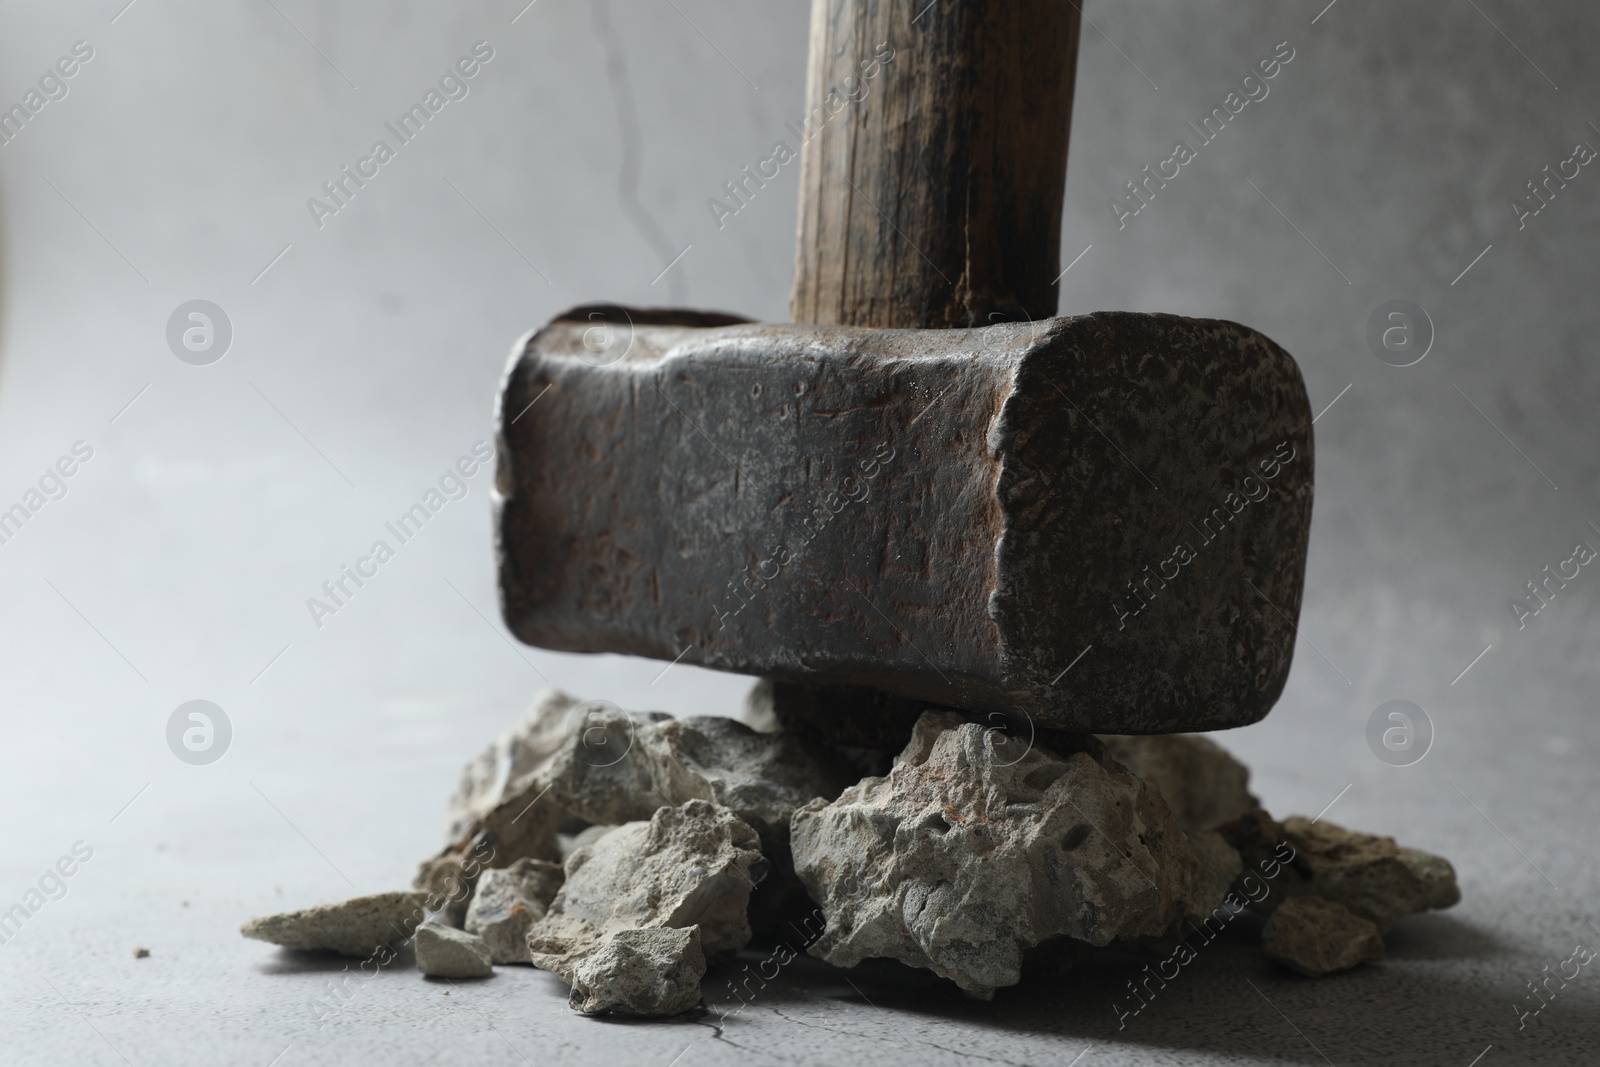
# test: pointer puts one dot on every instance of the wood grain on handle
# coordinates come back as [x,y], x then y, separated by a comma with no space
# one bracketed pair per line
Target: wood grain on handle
[932,197]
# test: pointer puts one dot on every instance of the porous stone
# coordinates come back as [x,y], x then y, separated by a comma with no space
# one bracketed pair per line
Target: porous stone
[1317,937]
[691,865]
[445,952]
[1202,784]
[1372,876]
[964,857]
[641,972]
[507,902]
[355,927]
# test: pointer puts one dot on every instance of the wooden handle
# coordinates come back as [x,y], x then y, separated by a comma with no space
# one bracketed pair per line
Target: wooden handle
[934,161]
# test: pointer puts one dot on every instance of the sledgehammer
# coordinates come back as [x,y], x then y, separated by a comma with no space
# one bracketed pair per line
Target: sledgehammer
[927,485]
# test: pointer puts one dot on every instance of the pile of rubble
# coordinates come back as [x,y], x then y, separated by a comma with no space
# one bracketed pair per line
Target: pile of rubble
[628,851]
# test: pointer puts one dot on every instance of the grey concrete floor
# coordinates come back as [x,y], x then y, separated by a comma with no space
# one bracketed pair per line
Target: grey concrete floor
[365,354]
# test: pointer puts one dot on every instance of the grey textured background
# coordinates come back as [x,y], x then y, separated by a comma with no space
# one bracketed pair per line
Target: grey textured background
[178,564]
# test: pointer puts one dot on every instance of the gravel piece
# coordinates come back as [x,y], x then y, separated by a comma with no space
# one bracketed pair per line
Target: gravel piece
[354,927]
[445,952]
[1318,937]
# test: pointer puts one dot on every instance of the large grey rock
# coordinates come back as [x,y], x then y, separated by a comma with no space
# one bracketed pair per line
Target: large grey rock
[445,952]
[965,856]
[507,902]
[355,927]
[641,972]
[692,865]
[1202,784]
[1318,937]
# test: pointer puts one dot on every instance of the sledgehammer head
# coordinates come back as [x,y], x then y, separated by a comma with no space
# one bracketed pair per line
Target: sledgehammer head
[1099,522]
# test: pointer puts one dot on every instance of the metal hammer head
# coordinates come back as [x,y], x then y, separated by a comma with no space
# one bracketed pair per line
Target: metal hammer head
[1099,521]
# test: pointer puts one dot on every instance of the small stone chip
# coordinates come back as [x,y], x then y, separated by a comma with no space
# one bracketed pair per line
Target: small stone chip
[355,927]
[141,953]
[445,952]
[1317,937]
[508,901]
[642,972]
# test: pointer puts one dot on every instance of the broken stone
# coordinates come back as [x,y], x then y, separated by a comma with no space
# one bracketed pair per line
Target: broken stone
[566,764]
[445,952]
[449,877]
[1263,845]
[356,927]
[1317,937]
[570,843]
[1370,875]
[624,765]
[692,865]
[1202,784]
[1219,868]
[642,972]
[520,750]
[616,766]
[965,857]
[507,902]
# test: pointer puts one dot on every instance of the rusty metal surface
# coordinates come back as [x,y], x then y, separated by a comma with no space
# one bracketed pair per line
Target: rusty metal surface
[1099,522]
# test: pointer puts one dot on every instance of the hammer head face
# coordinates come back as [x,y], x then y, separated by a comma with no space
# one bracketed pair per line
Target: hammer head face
[1099,522]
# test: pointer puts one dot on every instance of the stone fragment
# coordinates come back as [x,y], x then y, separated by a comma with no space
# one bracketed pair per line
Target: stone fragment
[762,778]
[1370,875]
[507,902]
[570,843]
[625,765]
[577,760]
[448,878]
[1219,868]
[692,865]
[445,952]
[1317,937]
[622,766]
[1202,784]
[964,857]
[1263,845]
[355,927]
[641,972]
[485,780]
